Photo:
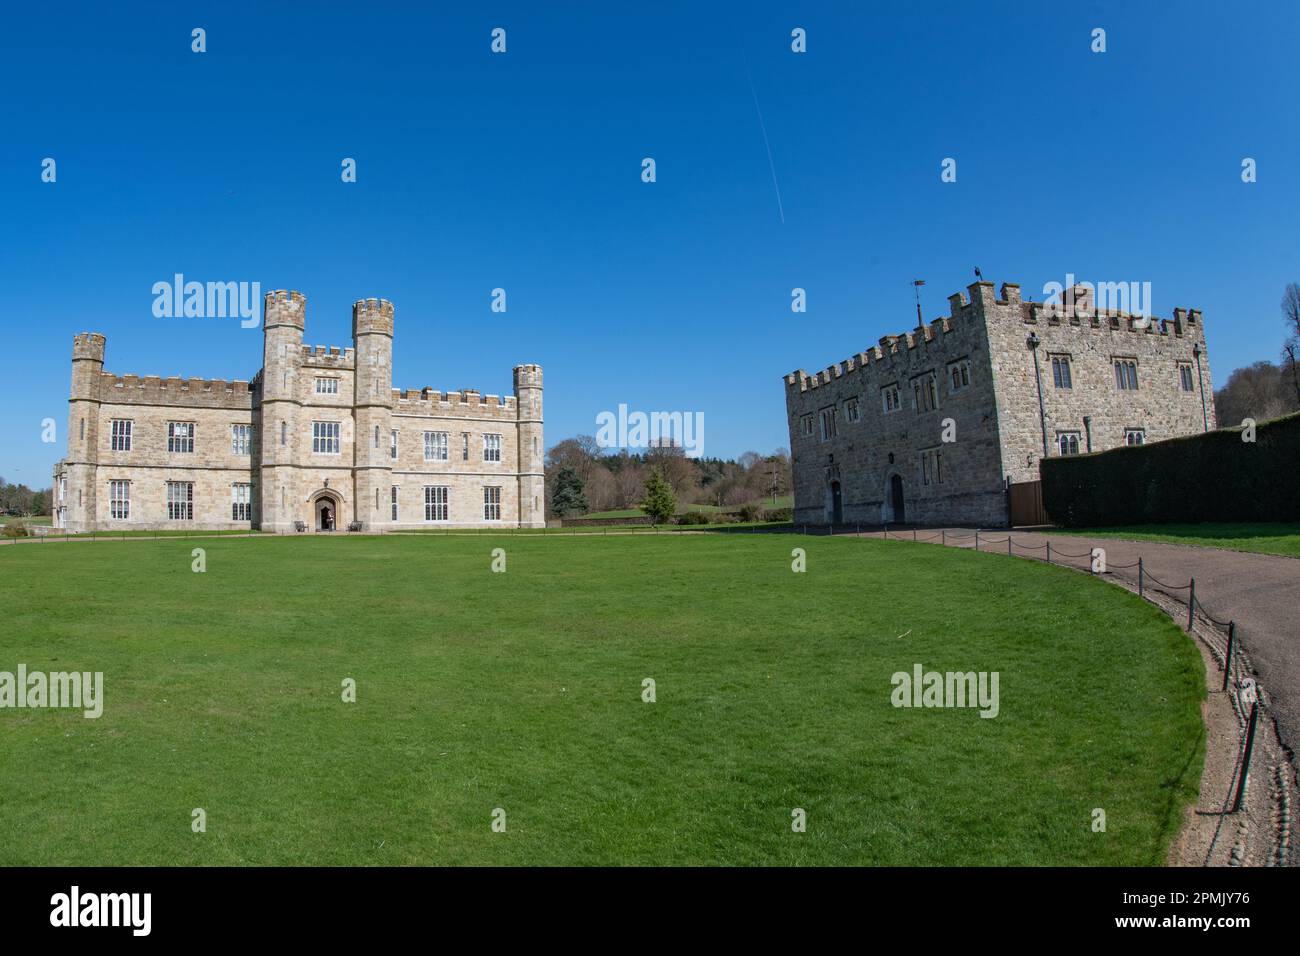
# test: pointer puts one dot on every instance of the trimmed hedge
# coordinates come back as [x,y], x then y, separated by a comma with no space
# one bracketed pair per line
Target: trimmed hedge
[1209,477]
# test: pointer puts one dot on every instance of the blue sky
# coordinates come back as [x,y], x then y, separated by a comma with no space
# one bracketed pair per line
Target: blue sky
[522,171]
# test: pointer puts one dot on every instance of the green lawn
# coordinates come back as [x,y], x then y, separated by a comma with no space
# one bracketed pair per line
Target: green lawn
[522,690]
[31,520]
[1280,538]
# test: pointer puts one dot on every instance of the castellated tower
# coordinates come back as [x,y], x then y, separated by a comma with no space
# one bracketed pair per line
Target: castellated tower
[532,474]
[285,315]
[83,428]
[317,441]
[372,335]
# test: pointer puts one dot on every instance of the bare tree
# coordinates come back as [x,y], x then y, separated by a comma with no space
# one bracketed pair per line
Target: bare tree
[675,467]
[1260,391]
[1291,318]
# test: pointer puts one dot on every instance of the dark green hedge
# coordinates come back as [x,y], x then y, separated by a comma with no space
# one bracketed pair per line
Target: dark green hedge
[1207,477]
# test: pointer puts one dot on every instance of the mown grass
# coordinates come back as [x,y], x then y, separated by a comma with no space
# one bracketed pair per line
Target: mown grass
[45,520]
[523,690]
[1280,538]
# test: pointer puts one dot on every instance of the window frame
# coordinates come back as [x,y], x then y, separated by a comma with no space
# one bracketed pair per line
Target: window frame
[491,502]
[1073,437]
[435,442]
[181,443]
[323,435]
[180,506]
[961,367]
[890,398]
[1062,372]
[432,504]
[924,391]
[241,501]
[826,422]
[120,437]
[119,502]
[1126,373]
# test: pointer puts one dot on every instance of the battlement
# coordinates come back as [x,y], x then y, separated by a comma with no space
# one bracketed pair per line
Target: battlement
[886,353]
[88,346]
[979,307]
[528,376]
[372,317]
[284,307]
[430,401]
[174,390]
[331,356]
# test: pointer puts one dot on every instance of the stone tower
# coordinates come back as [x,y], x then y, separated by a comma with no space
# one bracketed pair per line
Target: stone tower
[285,315]
[372,335]
[83,426]
[532,474]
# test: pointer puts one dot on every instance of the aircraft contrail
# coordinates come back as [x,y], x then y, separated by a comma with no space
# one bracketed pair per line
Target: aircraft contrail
[766,145]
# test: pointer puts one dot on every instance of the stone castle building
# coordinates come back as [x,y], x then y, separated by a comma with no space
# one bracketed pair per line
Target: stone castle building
[318,440]
[938,425]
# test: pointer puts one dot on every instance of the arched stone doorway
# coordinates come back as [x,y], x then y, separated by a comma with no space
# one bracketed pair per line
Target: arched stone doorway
[325,511]
[894,508]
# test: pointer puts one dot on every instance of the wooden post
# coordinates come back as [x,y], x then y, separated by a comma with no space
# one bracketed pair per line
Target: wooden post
[1191,603]
[1139,577]
[1227,657]
[1245,760]
[1049,553]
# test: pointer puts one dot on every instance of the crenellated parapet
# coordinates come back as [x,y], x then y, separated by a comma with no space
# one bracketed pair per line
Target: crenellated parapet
[1078,308]
[331,356]
[372,317]
[528,376]
[466,402]
[981,306]
[284,307]
[883,359]
[88,347]
[175,391]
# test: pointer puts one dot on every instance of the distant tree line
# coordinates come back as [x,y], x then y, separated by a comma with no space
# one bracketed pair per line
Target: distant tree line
[1263,391]
[21,500]
[582,477]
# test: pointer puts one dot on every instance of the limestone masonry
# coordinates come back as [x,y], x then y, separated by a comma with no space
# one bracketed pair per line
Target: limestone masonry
[932,426]
[319,440]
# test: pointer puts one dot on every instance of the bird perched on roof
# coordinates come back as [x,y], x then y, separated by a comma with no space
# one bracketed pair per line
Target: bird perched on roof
[977,273]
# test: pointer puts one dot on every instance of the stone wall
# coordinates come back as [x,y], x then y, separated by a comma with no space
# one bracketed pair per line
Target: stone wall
[996,429]
[864,456]
[1160,407]
[286,474]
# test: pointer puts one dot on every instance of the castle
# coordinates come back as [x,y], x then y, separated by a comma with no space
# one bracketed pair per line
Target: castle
[940,425]
[318,440]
